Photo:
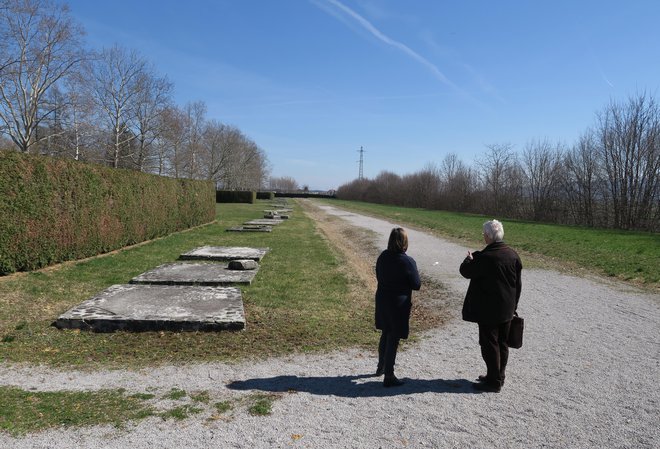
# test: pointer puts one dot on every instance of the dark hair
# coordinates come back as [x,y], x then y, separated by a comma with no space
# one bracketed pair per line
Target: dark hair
[398,240]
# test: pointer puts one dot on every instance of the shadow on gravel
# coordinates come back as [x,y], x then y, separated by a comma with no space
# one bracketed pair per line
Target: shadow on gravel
[352,386]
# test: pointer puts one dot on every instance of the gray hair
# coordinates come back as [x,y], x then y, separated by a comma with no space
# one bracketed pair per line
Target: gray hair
[494,230]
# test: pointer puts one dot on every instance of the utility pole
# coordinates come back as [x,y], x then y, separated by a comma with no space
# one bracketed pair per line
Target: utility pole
[361,151]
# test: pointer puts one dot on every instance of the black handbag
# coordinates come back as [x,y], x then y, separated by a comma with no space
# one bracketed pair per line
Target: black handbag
[515,339]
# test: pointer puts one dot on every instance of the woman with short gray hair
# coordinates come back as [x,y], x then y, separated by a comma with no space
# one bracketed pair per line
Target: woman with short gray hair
[491,301]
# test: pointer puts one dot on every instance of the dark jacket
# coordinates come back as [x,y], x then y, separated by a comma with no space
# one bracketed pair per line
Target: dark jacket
[494,291]
[397,277]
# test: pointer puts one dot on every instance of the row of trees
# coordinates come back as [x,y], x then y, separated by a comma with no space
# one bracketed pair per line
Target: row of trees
[609,178]
[108,106]
[284,184]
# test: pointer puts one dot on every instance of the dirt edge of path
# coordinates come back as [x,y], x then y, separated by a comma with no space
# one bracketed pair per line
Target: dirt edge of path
[431,305]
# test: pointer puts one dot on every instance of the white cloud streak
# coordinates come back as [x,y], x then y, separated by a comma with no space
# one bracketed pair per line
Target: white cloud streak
[606,80]
[364,23]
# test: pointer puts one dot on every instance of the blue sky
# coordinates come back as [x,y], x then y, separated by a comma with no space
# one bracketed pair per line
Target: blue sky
[312,81]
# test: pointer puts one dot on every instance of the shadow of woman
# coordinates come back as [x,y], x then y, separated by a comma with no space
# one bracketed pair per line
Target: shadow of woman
[352,386]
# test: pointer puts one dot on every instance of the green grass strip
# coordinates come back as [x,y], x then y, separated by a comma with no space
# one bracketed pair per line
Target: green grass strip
[298,301]
[261,404]
[24,411]
[626,255]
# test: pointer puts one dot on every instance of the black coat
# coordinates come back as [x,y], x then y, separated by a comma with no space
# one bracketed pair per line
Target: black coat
[397,277]
[494,291]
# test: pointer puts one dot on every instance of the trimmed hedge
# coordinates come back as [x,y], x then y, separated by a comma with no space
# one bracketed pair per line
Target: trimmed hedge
[303,195]
[235,196]
[52,210]
[265,195]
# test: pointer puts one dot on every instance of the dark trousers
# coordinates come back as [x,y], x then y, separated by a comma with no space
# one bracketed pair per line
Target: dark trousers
[387,352]
[494,350]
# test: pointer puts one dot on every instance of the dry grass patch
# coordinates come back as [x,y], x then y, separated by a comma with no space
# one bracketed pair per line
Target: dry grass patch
[355,247]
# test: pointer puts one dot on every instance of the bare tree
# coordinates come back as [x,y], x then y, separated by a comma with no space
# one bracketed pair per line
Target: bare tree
[581,180]
[40,45]
[117,74]
[501,179]
[629,144]
[355,190]
[8,57]
[457,184]
[232,159]
[449,167]
[70,129]
[220,144]
[283,184]
[5,143]
[170,144]
[387,188]
[422,188]
[80,113]
[154,95]
[52,128]
[248,167]
[195,116]
[541,163]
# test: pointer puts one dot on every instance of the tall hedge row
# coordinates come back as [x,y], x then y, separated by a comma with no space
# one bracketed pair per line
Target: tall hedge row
[265,195]
[53,210]
[235,196]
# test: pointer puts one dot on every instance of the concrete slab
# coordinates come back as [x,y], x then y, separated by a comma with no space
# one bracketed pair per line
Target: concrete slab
[212,274]
[224,253]
[243,264]
[250,228]
[264,221]
[134,307]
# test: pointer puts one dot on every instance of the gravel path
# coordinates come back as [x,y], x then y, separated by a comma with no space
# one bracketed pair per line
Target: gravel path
[587,377]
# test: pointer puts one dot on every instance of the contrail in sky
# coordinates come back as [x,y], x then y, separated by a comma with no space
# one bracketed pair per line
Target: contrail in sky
[383,38]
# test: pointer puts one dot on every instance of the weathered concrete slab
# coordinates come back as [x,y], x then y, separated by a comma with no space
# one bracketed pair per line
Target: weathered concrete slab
[276,212]
[243,264]
[250,228]
[134,307]
[212,274]
[264,221]
[224,253]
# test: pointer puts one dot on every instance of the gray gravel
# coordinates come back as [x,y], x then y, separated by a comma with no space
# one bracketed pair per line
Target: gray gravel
[586,377]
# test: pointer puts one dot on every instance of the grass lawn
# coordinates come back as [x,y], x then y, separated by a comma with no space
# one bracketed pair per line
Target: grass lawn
[26,411]
[301,300]
[626,255]
[23,412]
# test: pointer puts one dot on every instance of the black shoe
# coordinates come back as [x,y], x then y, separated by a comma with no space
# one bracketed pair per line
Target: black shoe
[483,378]
[392,381]
[489,388]
[379,371]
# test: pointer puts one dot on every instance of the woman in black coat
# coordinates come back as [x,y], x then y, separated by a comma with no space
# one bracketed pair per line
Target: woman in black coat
[491,300]
[397,277]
